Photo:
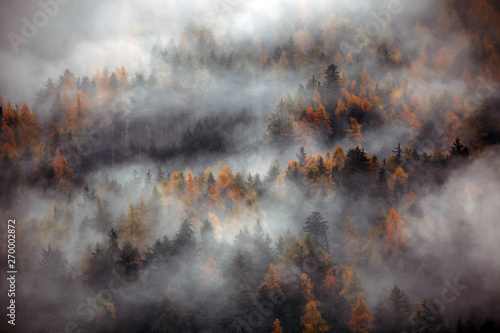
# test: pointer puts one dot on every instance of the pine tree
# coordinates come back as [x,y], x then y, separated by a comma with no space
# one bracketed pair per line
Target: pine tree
[211,181]
[400,307]
[428,317]
[317,227]
[184,241]
[160,174]
[301,157]
[398,155]
[272,173]
[459,328]
[458,149]
[207,239]
[332,87]
[130,260]
[332,77]
[320,164]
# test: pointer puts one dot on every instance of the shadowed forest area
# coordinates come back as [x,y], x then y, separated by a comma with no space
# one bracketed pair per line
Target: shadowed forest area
[231,166]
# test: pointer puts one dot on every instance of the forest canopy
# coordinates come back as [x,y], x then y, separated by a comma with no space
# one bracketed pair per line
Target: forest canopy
[231,166]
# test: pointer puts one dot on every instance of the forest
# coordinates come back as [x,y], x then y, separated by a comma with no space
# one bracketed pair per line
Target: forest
[252,166]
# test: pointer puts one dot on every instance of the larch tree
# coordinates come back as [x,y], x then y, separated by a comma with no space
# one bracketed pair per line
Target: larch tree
[352,284]
[134,228]
[330,284]
[306,288]
[62,168]
[31,127]
[53,140]
[361,320]
[210,273]
[398,182]
[78,121]
[277,327]
[312,321]
[271,287]
[355,130]
[396,238]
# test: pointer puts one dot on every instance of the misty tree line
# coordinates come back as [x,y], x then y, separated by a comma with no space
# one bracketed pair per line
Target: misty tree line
[298,280]
[288,286]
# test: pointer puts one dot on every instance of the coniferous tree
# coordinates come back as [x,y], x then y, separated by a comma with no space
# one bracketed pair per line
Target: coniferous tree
[301,157]
[160,174]
[185,241]
[312,321]
[361,318]
[428,317]
[458,149]
[316,227]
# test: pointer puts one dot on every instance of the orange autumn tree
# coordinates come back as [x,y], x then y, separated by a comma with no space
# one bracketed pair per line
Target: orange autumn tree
[31,129]
[355,130]
[192,190]
[306,287]
[62,168]
[78,120]
[443,61]
[330,284]
[277,327]
[271,287]
[412,120]
[312,320]
[396,235]
[352,284]
[315,121]
[361,318]
[210,273]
